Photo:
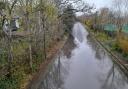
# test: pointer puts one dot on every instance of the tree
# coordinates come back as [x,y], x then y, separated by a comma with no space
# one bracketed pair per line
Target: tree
[67,10]
[2,5]
[118,13]
[68,18]
[8,37]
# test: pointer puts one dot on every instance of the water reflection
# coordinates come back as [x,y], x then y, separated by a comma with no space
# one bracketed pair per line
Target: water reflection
[53,79]
[68,47]
[99,52]
[58,71]
[115,79]
[83,65]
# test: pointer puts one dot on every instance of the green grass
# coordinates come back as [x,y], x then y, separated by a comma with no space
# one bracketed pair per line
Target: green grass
[102,37]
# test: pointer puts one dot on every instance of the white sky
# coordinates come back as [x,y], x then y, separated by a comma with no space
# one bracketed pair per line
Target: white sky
[99,3]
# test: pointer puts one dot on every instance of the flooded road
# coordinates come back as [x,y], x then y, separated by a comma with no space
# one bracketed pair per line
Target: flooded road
[82,64]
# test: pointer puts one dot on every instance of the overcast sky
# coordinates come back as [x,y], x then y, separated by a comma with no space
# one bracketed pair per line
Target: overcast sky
[99,3]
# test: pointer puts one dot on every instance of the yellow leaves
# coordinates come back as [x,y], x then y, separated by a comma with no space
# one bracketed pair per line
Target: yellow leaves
[123,44]
[29,9]
[51,11]
[89,23]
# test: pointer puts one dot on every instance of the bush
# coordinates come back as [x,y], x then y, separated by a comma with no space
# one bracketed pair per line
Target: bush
[102,36]
[8,83]
[115,47]
[123,44]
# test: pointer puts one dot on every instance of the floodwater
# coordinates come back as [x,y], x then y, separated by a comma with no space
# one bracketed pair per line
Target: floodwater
[83,64]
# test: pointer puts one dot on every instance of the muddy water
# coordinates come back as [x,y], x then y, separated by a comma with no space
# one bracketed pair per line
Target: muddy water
[82,64]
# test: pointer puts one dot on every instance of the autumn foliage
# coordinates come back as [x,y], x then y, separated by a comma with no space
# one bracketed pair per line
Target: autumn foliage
[123,43]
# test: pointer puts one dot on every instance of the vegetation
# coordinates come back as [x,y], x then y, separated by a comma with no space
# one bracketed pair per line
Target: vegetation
[42,24]
[21,57]
[108,25]
[68,13]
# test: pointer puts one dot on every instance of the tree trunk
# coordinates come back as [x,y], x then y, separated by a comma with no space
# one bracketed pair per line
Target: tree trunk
[29,39]
[30,56]
[10,53]
[44,39]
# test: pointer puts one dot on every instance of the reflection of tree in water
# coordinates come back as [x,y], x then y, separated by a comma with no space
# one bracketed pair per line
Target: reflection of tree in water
[91,42]
[69,46]
[115,79]
[54,78]
[100,53]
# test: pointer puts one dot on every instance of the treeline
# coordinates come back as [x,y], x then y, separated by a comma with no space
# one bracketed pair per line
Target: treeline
[112,21]
[41,24]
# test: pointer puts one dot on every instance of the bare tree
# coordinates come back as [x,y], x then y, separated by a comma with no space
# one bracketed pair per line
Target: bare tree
[9,35]
[118,5]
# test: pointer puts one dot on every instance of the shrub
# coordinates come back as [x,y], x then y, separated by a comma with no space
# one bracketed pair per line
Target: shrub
[115,47]
[123,44]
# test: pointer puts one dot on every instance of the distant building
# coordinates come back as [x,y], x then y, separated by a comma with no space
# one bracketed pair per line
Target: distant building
[12,25]
[6,26]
